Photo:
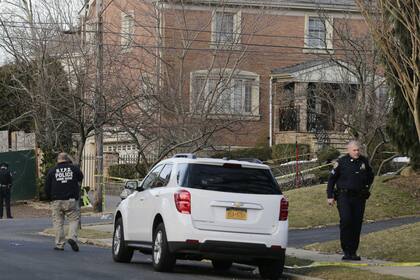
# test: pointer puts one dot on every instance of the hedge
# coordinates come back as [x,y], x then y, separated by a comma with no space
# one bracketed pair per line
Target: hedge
[127,171]
[327,154]
[261,153]
[282,151]
[279,151]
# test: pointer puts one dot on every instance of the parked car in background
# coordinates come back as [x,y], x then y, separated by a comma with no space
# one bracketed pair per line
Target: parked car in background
[200,208]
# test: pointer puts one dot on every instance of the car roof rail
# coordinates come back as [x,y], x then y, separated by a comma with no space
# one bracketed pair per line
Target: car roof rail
[253,160]
[186,155]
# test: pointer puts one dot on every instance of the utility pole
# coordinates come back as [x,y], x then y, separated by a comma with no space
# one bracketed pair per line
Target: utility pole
[99,114]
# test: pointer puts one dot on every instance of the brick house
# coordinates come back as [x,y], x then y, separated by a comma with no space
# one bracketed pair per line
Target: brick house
[262,59]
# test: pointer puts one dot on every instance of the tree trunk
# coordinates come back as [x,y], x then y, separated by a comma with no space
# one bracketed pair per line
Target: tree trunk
[416,115]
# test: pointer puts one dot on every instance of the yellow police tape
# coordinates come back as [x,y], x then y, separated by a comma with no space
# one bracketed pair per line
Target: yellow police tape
[303,171]
[113,178]
[319,264]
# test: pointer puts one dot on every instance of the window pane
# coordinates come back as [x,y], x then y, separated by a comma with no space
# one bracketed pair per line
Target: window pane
[316,33]
[127,29]
[247,97]
[164,176]
[199,93]
[224,27]
[151,178]
[225,98]
[236,180]
[237,96]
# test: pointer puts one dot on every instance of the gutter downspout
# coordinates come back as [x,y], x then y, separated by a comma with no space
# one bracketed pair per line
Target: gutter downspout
[270,106]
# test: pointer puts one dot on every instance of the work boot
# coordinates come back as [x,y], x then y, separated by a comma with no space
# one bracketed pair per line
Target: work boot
[355,257]
[73,245]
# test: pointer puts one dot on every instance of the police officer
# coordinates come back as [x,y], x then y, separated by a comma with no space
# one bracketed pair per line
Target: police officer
[5,189]
[352,175]
[62,186]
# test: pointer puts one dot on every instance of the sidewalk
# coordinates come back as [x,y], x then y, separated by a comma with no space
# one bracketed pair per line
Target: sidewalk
[377,266]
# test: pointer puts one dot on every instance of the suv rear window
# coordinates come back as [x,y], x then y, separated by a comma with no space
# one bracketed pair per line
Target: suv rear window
[227,179]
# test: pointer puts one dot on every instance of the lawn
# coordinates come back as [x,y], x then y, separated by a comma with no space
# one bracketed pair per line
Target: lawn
[341,273]
[390,199]
[400,244]
[333,272]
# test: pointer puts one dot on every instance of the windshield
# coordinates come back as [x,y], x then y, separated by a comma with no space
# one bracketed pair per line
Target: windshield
[227,179]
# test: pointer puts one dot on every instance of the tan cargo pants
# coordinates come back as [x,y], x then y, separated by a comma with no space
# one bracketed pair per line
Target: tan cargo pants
[60,209]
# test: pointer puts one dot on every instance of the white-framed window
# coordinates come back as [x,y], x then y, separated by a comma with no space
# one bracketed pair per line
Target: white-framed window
[90,32]
[318,32]
[236,94]
[127,29]
[226,27]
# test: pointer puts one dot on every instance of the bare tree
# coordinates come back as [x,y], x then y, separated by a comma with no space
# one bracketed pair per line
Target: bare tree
[178,108]
[358,105]
[383,17]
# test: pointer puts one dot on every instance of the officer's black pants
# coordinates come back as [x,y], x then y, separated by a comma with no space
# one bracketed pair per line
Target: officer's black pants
[351,209]
[5,196]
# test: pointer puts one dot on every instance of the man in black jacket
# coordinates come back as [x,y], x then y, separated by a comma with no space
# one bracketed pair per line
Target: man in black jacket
[62,187]
[5,189]
[352,175]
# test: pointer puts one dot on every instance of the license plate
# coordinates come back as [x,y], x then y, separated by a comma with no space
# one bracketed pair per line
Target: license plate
[236,214]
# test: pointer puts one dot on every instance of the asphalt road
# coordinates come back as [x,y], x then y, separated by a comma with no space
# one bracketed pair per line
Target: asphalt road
[26,255]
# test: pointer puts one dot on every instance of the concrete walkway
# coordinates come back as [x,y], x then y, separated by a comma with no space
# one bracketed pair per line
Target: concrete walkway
[377,266]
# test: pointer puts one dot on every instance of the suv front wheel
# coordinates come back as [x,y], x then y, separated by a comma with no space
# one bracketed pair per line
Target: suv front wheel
[163,260]
[120,251]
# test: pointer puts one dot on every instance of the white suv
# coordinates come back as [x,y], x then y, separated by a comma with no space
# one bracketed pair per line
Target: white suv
[201,208]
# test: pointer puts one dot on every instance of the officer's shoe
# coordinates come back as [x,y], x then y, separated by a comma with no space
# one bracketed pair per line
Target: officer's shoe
[355,257]
[347,257]
[73,245]
[58,248]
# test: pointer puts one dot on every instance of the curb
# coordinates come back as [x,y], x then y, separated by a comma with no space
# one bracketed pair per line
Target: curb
[294,276]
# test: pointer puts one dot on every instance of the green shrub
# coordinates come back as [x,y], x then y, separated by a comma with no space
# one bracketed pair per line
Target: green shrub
[261,153]
[327,154]
[48,161]
[285,151]
[127,171]
[322,174]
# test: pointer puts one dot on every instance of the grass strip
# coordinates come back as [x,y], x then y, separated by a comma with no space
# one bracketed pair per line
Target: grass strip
[399,244]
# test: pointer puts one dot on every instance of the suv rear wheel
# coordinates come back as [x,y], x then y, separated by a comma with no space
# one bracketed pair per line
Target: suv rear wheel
[120,251]
[221,265]
[162,259]
[271,269]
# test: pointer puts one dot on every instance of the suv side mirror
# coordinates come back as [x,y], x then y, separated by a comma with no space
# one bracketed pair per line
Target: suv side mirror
[131,185]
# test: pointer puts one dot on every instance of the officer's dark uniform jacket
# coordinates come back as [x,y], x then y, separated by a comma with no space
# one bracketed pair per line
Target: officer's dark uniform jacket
[5,177]
[62,182]
[350,174]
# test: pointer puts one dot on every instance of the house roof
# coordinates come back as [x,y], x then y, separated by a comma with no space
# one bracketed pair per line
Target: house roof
[320,70]
[340,5]
[299,67]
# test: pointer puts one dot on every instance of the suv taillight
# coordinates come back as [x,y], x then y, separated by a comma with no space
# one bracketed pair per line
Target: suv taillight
[284,209]
[183,201]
